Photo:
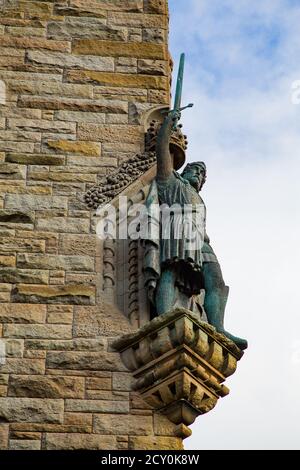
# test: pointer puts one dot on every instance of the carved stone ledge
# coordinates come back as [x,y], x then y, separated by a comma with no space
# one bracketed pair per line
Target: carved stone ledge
[179,363]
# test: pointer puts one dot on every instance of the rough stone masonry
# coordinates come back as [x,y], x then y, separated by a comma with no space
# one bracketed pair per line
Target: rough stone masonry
[79,74]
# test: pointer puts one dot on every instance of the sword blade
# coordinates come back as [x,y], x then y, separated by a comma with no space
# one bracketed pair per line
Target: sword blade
[179,85]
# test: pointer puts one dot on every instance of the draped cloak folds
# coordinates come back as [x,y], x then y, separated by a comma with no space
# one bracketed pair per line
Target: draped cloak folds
[177,243]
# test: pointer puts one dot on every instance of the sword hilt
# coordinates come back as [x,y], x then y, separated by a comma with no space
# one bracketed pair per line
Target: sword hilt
[190,105]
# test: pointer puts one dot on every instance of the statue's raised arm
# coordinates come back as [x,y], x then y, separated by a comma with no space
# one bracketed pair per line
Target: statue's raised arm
[165,164]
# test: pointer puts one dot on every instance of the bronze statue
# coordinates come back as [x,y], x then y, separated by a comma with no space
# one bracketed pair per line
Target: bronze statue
[176,273]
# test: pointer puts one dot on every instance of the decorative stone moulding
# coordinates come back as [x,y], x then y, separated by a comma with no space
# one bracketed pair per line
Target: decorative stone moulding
[179,364]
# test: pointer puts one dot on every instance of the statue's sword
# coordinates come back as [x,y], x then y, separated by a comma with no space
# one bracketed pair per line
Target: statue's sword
[179,87]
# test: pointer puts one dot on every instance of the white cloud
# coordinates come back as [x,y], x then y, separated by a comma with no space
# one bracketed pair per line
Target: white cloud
[242,58]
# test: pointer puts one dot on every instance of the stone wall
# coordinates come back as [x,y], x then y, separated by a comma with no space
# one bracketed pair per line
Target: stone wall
[79,76]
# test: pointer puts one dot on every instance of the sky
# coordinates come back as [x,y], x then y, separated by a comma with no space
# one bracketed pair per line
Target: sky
[242,59]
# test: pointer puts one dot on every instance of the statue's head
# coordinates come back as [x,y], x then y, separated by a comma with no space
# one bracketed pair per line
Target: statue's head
[195,174]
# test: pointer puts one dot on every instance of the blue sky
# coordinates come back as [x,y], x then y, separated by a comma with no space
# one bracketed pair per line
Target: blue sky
[242,58]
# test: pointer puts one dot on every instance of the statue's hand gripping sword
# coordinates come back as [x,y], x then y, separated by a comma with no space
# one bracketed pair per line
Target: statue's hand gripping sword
[178,95]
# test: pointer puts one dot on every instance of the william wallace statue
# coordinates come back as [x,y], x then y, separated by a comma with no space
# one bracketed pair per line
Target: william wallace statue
[178,272]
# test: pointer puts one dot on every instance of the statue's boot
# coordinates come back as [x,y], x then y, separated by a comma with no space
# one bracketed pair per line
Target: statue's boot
[214,305]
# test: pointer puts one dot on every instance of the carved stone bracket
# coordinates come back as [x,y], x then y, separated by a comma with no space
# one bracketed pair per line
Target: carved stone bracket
[179,363]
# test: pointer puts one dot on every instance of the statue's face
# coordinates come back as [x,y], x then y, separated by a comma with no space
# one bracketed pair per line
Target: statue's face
[195,176]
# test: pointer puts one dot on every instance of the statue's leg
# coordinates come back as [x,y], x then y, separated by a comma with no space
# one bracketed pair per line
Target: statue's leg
[216,295]
[166,293]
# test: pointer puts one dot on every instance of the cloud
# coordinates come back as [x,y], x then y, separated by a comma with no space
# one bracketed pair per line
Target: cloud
[242,58]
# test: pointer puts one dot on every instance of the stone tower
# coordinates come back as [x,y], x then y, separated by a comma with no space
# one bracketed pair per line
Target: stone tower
[80,82]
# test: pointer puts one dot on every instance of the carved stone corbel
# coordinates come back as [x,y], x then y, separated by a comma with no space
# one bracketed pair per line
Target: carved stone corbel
[179,364]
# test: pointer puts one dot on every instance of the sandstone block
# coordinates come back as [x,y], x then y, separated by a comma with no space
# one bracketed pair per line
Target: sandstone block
[85,9]
[117,79]
[121,93]
[97,406]
[7,261]
[84,245]
[14,216]
[159,96]
[70,294]
[35,354]
[67,345]
[119,49]
[60,308]
[23,366]
[65,225]
[153,67]
[60,59]
[25,276]
[155,6]
[23,31]
[37,331]
[42,125]
[80,148]
[35,159]
[13,347]
[98,383]
[106,395]
[77,116]
[85,28]
[28,87]
[122,381]
[68,263]
[67,174]
[20,136]
[32,436]
[155,443]
[24,444]
[13,201]
[133,6]
[46,387]
[35,43]
[83,361]
[7,146]
[138,20]
[79,441]
[12,171]
[22,313]
[3,379]
[68,189]
[156,35]
[73,104]
[7,187]
[20,245]
[110,133]
[36,8]
[102,320]
[31,410]
[4,432]
[61,318]
[131,425]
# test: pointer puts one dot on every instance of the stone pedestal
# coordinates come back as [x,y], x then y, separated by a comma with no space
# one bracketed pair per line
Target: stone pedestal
[179,364]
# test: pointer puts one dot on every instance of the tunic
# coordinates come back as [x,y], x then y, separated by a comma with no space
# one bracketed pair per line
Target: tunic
[175,248]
